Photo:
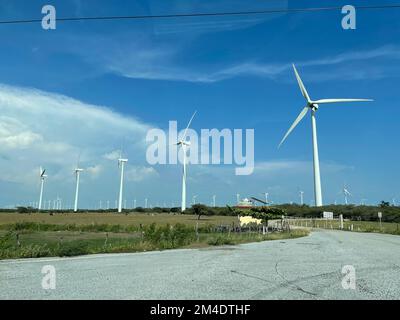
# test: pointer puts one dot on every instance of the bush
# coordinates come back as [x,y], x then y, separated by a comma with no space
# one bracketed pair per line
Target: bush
[220,241]
[169,236]
[72,248]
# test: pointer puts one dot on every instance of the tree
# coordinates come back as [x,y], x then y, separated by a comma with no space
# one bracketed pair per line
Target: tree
[384,204]
[200,210]
[265,213]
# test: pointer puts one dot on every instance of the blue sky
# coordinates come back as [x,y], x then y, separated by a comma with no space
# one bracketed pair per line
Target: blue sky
[87,86]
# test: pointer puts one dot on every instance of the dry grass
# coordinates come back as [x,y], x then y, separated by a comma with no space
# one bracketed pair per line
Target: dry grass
[113,219]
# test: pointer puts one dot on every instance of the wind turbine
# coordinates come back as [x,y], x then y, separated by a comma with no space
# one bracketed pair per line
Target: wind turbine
[237,197]
[346,194]
[312,106]
[194,199]
[213,202]
[42,176]
[301,197]
[183,143]
[77,176]
[121,165]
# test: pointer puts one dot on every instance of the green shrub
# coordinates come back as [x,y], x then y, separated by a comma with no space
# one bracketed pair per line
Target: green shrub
[72,248]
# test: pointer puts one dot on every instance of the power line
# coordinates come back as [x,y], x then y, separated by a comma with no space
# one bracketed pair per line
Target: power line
[204,14]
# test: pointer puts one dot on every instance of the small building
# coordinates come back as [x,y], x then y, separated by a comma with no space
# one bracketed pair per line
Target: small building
[244,204]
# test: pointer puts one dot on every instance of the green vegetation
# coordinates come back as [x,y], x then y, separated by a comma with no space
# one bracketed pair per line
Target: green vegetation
[197,212]
[32,240]
[352,212]
[355,226]
[97,219]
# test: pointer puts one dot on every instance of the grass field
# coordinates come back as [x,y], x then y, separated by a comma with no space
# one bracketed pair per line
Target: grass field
[43,235]
[114,219]
[348,225]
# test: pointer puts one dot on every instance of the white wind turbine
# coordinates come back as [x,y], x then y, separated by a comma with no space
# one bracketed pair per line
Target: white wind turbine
[42,176]
[301,193]
[346,194]
[121,165]
[77,176]
[313,106]
[183,143]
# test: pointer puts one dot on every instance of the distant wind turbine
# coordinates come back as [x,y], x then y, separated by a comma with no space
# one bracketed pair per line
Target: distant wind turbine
[301,197]
[183,143]
[42,176]
[77,176]
[121,165]
[313,106]
[346,194]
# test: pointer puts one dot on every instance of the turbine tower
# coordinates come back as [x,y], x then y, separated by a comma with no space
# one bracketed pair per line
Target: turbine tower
[183,143]
[77,176]
[121,165]
[237,197]
[214,196]
[42,176]
[312,106]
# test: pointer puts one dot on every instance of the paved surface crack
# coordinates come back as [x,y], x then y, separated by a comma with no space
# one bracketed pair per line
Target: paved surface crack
[251,276]
[290,282]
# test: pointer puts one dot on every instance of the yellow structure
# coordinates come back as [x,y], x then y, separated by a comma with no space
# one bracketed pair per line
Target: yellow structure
[247,219]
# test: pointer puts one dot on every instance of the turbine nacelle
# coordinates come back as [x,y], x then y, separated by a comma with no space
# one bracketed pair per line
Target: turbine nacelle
[42,174]
[183,143]
[122,161]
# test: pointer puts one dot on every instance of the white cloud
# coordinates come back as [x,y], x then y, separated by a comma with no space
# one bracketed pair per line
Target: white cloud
[41,128]
[139,173]
[162,65]
[113,155]
[95,170]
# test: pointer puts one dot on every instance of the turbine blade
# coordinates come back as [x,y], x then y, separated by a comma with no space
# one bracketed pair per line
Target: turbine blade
[190,121]
[79,158]
[322,101]
[295,123]
[301,85]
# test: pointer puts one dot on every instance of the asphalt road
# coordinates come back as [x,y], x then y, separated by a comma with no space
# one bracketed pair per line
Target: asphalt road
[304,268]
